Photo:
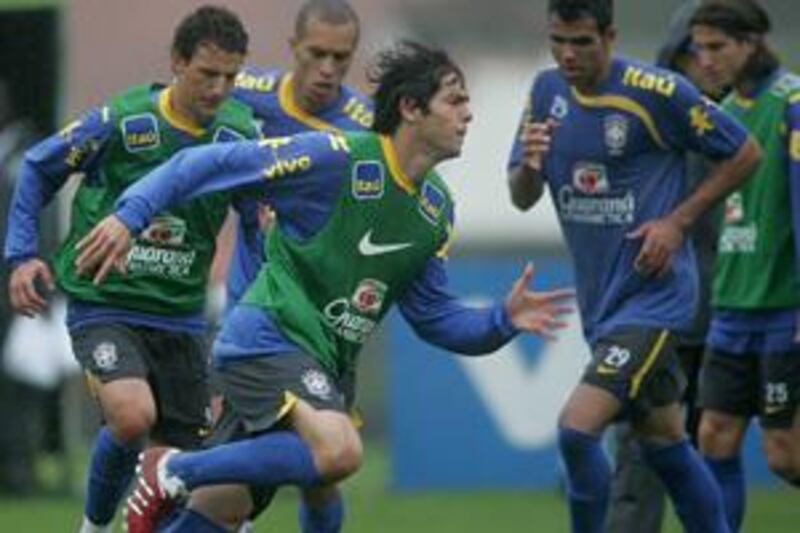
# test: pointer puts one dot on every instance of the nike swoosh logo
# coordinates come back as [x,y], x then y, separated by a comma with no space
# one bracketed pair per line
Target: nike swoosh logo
[368,248]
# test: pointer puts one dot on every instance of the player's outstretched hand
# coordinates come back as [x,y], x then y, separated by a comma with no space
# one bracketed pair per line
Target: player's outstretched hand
[104,248]
[26,285]
[661,238]
[540,313]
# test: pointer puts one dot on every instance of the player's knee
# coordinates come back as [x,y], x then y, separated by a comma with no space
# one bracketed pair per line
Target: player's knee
[718,436]
[132,424]
[228,505]
[780,451]
[339,458]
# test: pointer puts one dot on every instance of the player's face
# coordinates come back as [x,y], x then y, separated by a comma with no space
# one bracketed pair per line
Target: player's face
[322,58]
[581,51]
[721,57]
[444,126]
[204,81]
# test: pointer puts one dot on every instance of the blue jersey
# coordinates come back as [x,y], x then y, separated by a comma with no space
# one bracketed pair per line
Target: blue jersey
[617,160]
[302,178]
[269,94]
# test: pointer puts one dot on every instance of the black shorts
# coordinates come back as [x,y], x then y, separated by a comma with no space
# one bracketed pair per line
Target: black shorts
[173,364]
[750,384]
[640,367]
[258,393]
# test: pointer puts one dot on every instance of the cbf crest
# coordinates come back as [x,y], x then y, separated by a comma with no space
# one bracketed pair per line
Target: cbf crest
[616,133]
[559,108]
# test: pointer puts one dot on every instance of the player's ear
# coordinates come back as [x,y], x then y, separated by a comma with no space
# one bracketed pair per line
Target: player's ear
[409,109]
[177,63]
[610,34]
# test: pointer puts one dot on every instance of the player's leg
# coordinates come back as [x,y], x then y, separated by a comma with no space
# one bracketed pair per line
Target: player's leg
[594,403]
[321,446]
[637,494]
[114,360]
[729,397]
[780,417]
[689,482]
[321,509]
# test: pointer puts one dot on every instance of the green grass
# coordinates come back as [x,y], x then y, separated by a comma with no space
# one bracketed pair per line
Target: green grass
[374,509]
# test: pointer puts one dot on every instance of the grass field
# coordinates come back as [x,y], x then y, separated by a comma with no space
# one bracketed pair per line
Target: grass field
[374,509]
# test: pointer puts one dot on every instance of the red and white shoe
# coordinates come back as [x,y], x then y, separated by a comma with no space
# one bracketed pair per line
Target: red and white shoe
[156,492]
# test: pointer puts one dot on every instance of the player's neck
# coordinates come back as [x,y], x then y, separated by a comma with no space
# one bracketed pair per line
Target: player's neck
[414,159]
[594,84]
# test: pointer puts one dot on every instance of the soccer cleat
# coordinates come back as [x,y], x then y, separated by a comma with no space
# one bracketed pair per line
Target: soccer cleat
[156,491]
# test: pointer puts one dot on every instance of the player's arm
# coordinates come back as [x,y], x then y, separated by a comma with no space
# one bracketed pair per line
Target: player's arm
[525,165]
[793,129]
[699,125]
[280,171]
[525,178]
[444,320]
[43,171]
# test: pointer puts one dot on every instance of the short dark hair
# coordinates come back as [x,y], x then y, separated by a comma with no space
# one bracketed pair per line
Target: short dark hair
[602,11]
[331,11]
[210,25]
[407,70]
[742,20]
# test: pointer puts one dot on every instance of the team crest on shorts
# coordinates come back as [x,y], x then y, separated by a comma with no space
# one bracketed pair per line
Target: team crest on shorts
[616,133]
[317,383]
[105,356]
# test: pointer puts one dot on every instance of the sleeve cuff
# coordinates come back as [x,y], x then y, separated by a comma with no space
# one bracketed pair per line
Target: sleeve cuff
[131,217]
[502,321]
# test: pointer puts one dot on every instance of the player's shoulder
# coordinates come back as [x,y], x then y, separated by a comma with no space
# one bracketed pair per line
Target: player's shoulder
[258,80]
[645,81]
[355,109]
[548,80]
[787,86]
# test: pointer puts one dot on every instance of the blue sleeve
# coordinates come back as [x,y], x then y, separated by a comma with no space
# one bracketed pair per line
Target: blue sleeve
[691,122]
[793,128]
[291,174]
[443,320]
[45,168]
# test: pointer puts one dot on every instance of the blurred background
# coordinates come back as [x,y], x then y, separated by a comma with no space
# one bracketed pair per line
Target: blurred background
[453,444]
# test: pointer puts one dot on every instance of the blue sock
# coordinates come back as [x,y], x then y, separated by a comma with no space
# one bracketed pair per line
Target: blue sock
[691,486]
[193,522]
[270,459]
[588,479]
[325,518]
[110,471]
[730,477]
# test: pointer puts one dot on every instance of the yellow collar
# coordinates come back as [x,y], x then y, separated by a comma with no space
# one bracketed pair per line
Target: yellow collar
[292,108]
[174,118]
[400,177]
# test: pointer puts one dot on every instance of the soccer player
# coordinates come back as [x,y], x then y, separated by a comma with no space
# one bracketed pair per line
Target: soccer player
[608,135]
[309,97]
[139,337]
[363,222]
[637,495]
[753,365]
